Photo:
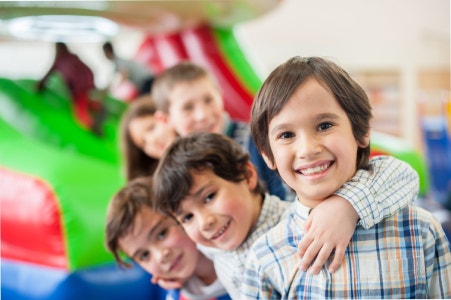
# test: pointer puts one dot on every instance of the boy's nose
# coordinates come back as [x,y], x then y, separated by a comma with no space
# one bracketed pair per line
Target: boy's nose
[164,255]
[307,147]
[207,222]
[200,113]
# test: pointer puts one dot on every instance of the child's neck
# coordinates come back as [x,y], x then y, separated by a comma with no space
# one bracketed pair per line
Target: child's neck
[309,202]
[205,270]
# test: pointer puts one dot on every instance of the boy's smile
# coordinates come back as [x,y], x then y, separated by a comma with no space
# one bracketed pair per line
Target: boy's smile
[317,168]
[221,231]
[313,144]
[176,264]
[219,213]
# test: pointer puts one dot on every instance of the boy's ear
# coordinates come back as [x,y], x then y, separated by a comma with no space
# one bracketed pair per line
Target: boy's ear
[252,176]
[161,116]
[366,140]
[268,162]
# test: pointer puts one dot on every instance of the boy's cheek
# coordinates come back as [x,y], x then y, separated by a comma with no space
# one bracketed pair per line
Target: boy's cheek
[194,235]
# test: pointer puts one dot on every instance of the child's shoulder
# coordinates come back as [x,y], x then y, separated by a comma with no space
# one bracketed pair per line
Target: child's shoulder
[423,216]
[286,225]
[413,217]
[270,214]
[274,207]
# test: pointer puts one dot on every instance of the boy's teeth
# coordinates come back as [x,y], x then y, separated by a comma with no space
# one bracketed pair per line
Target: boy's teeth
[317,169]
[221,231]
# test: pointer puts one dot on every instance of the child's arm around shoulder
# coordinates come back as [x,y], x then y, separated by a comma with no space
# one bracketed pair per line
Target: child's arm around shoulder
[371,195]
[390,185]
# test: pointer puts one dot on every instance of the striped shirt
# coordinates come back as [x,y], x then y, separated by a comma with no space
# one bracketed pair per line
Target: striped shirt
[229,265]
[406,255]
[390,185]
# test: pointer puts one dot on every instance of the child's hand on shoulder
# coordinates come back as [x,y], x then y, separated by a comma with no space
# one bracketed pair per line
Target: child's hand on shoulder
[328,229]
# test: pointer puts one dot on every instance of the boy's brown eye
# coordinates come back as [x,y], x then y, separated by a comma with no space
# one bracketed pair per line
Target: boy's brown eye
[324,126]
[286,135]
[186,218]
[188,107]
[162,234]
[144,256]
[209,197]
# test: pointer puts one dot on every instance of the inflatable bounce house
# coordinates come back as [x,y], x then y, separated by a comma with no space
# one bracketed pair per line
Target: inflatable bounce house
[56,177]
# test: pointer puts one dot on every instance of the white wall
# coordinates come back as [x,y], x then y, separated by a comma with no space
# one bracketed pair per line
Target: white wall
[380,34]
[402,35]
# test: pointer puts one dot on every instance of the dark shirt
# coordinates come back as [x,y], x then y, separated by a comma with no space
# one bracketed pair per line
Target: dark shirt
[77,75]
[240,132]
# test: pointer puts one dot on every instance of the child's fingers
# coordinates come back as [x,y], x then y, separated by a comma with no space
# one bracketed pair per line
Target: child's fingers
[309,255]
[166,283]
[154,279]
[169,284]
[321,258]
[308,223]
[304,244]
[338,258]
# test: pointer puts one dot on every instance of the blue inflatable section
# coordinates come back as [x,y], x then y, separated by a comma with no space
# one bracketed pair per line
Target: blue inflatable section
[33,282]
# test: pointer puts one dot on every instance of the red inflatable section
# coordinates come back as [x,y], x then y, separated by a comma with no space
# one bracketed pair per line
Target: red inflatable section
[30,221]
[162,51]
[198,45]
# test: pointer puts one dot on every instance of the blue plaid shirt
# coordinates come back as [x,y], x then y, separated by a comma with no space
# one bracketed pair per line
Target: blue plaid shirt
[406,255]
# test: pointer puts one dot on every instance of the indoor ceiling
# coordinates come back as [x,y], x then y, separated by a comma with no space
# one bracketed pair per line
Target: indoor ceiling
[151,17]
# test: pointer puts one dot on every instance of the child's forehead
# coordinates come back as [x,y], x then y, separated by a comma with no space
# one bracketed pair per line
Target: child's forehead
[142,120]
[149,222]
[200,179]
[147,217]
[205,173]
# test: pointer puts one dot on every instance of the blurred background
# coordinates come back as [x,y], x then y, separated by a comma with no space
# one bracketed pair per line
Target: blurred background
[56,177]
[400,51]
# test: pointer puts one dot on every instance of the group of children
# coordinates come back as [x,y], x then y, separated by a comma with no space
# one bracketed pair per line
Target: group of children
[205,209]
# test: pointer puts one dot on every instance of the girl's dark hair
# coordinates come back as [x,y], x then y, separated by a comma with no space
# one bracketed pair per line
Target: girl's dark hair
[122,211]
[286,78]
[197,152]
[137,162]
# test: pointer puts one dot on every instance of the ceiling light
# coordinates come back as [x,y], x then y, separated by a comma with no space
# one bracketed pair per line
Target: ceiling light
[62,28]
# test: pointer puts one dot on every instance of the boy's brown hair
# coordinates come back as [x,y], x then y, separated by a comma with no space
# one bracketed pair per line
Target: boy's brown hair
[137,162]
[283,82]
[197,152]
[165,82]
[122,211]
